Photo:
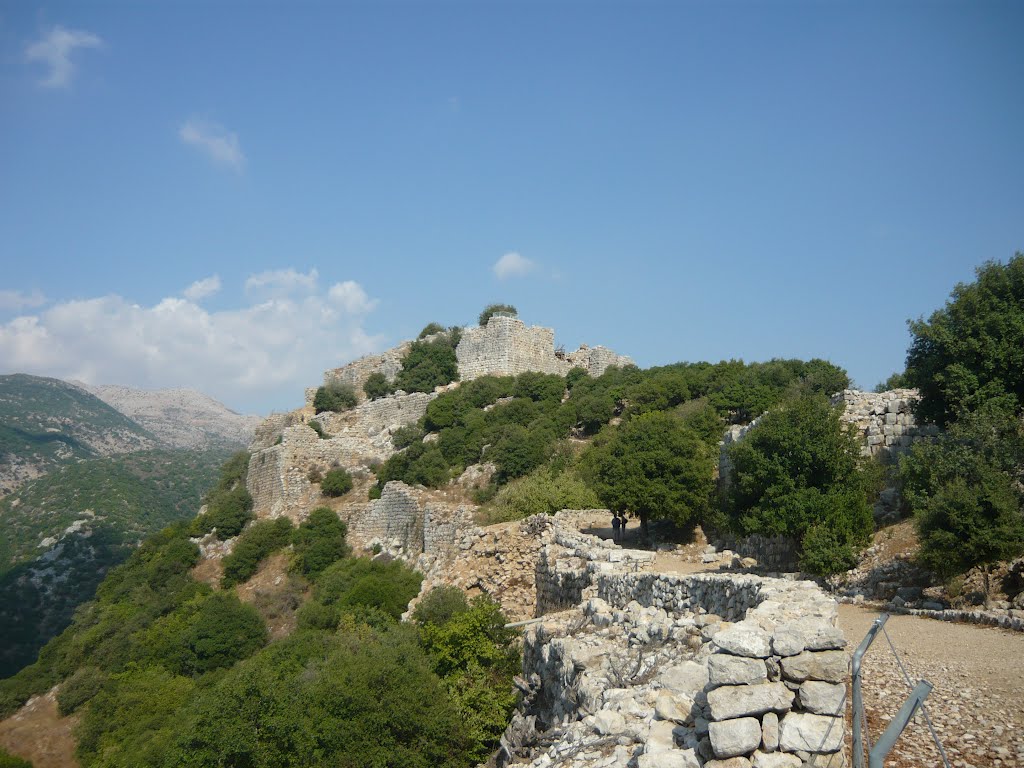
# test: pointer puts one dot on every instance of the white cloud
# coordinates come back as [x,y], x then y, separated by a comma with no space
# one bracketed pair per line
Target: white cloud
[55,50]
[218,143]
[254,357]
[277,283]
[351,297]
[17,301]
[513,265]
[200,289]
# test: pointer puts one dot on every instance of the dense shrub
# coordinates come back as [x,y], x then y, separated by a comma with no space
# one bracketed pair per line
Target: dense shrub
[430,329]
[318,428]
[377,385]
[337,482]
[357,581]
[319,541]
[439,605]
[10,761]
[964,490]
[799,473]
[542,492]
[497,309]
[353,699]
[79,688]
[407,435]
[335,396]
[896,381]
[430,364]
[226,514]
[260,540]
[971,350]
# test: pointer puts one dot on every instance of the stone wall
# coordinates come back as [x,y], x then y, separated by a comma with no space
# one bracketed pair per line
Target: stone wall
[507,347]
[357,372]
[406,523]
[884,420]
[655,670]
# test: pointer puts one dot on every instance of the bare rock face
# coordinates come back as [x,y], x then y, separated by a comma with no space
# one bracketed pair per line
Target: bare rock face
[182,418]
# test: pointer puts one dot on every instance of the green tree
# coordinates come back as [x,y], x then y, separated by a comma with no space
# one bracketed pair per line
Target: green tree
[653,466]
[319,541]
[430,329]
[335,396]
[429,364]
[798,473]
[10,761]
[260,540]
[337,482]
[964,491]
[972,349]
[494,309]
[377,386]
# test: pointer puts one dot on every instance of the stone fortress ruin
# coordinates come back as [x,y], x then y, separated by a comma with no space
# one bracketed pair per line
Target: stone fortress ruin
[624,666]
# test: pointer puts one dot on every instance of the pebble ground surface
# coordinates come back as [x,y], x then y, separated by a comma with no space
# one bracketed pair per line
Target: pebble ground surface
[977,704]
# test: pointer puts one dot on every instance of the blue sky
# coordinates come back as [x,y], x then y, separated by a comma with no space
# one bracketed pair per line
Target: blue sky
[236,196]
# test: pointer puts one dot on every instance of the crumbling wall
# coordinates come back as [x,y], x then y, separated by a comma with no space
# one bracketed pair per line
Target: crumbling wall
[884,420]
[658,670]
[507,347]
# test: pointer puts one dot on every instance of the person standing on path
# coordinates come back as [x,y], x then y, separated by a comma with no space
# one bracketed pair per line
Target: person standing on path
[616,523]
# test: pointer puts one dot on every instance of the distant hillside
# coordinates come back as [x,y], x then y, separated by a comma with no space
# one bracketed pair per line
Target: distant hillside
[47,423]
[61,533]
[182,418]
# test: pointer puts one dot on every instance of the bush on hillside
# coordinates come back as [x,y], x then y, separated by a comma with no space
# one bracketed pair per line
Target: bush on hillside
[79,688]
[259,541]
[377,386]
[335,396]
[226,514]
[430,364]
[543,492]
[430,329]
[439,605]
[964,491]
[319,541]
[358,582]
[10,761]
[497,309]
[337,482]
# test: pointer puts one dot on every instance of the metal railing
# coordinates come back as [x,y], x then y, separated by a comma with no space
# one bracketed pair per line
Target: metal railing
[915,701]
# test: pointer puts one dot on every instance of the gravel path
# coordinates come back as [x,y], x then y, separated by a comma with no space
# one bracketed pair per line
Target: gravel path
[977,704]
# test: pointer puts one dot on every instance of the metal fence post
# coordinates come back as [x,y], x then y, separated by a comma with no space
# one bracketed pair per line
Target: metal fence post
[907,711]
[858,700]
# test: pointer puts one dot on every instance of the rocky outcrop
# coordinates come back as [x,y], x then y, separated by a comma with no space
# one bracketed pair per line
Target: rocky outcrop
[183,418]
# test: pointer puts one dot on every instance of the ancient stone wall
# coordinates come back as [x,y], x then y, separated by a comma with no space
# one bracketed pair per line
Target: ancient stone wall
[405,523]
[662,670]
[884,420]
[357,372]
[507,347]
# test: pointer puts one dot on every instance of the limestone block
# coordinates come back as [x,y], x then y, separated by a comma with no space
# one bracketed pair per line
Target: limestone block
[745,640]
[823,698]
[686,677]
[830,666]
[725,669]
[788,640]
[739,700]
[810,733]
[677,707]
[825,638]
[660,737]
[731,738]
[674,758]
[607,722]
[775,760]
[770,732]
[732,762]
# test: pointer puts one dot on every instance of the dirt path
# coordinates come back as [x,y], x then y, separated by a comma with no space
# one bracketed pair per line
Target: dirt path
[977,704]
[38,733]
